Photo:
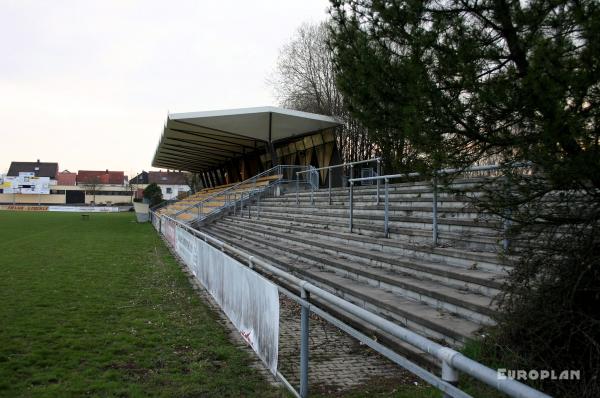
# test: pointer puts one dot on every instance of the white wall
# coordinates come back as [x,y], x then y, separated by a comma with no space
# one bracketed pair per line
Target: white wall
[175,189]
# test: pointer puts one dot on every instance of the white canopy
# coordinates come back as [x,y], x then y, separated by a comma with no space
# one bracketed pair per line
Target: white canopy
[197,141]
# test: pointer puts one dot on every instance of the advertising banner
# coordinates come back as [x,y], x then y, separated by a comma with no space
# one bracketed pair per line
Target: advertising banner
[186,247]
[248,299]
[68,209]
[170,231]
[27,184]
[156,221]
[23,208]
[84,209]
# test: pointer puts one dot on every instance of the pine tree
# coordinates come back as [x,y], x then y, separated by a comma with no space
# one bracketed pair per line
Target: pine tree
[476,78]
[480,80]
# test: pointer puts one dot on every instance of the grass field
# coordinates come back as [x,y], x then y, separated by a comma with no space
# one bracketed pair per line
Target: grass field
[100,308]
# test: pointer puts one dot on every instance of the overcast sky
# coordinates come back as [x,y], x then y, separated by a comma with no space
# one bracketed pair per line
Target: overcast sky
[88,84]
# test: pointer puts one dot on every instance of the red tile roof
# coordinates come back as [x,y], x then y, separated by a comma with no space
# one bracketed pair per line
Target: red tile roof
[66,178]
[100,177]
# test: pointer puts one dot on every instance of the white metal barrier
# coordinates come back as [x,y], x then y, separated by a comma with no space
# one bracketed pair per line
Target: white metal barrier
[248,299]
[212,267]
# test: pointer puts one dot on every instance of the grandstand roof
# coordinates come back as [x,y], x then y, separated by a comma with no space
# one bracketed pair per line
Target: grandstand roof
[197,141]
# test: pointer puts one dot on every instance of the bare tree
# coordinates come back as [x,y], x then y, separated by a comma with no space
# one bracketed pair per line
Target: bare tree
[131,188]
[91,185]
[193,181]
[304,80]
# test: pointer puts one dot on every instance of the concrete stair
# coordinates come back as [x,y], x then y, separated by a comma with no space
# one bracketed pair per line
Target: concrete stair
[215,199]
[445,293]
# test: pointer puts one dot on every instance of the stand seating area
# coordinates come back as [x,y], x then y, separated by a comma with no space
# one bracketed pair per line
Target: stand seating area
[211,198]
[445,293]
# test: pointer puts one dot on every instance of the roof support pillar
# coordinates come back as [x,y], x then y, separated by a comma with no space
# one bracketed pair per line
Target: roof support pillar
[216,177]
[220,175]
[211,178]
[211,183]
[204,182]
[274,158]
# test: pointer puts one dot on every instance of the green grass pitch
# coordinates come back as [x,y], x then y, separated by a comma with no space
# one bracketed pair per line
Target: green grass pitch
[100,308]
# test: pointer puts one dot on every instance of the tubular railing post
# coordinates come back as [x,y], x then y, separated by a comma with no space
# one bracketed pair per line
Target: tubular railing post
[386,229]
[350,204]
[505,227]
[506,221]
[329,177]
[351,171]
[258,207]
[434,211]
[304,318]
[297,188]
[449,374]
[378,174]
[312,187]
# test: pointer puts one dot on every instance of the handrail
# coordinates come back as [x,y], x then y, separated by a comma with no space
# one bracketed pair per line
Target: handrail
[210,197]
[378,159]
[436,173]
[487,167]
[351,164]
[452,360]
[246,195]
[162,204]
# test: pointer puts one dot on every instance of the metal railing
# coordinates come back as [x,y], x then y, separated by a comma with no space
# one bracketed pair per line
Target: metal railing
[434,204]
[351,174]
[452,361]
[162,204]
[242,193]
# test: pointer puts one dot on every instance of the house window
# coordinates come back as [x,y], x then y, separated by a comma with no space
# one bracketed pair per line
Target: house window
[169,190]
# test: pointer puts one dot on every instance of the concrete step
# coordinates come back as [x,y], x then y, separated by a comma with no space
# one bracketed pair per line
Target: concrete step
[435,324]
[382,248]
[450,201]
[420,357]
[445,264]
[477,241]
[483,223]
[466,187]
[464,303]
[370,196]
[368,224]
[469,183]
[462,213]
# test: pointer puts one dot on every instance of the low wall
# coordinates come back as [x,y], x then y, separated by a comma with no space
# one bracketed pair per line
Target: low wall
[108,199]
[69,209]
[248,299]
[9,198]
